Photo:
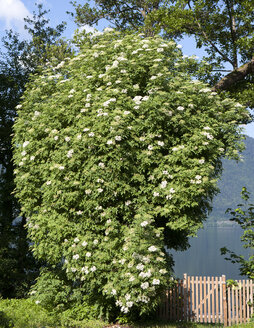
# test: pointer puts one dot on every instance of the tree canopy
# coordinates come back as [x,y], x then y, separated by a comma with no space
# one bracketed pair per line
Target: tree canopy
[117,151]
[224,28]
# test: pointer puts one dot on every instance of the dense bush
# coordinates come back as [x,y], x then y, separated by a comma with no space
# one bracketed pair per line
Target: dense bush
[24,313]
[117,152]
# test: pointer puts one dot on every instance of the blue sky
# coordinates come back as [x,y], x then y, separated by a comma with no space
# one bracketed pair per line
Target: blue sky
[12,13]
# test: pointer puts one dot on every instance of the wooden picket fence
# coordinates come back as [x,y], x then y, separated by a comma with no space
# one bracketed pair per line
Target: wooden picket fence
[208,300]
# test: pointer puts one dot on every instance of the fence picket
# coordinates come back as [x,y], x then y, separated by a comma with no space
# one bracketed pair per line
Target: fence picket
[217,300]
[244,303]
[209,300]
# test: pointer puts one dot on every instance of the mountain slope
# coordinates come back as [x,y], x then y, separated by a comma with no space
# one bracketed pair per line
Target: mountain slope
[235,176]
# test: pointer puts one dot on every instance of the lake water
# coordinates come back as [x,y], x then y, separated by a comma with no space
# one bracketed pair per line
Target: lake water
[203,257]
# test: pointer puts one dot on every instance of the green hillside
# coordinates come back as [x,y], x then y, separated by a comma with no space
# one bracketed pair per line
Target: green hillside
[235,175]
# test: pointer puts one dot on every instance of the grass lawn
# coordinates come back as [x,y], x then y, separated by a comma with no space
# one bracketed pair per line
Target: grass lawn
[180,325]
[189,325]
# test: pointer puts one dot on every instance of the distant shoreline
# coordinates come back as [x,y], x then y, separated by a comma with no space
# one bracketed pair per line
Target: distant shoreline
[220,224]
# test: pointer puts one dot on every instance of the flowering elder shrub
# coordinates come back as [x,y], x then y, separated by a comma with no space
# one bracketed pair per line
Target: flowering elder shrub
[115,149]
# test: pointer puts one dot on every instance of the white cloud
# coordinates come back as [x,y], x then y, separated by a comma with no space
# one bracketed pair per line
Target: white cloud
[12,13]
[87,28]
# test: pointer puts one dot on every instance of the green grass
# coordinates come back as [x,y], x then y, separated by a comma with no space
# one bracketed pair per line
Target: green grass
[189,325]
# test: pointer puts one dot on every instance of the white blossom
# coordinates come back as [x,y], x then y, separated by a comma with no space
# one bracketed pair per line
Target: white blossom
[93,268]
[88,254]
[91,134]
[110,142]
[156,194]
[201,161]
[129,304]
[61,167]
[73,269]
[205,90]
[70,153]
[88,191]
[144,285]
[84,243]
[79,213]
[156,282]
[26,143]
[150,147]
[113,292]
[67,139]
[140,266]
[164,184]
[118,138]
[180,108]
[75,257]
[76,240]
[122,261]
[161,143]
[126,112]
[100,190]
[152,249]
[144,223]
[127,297]
[102,165]
[137,100]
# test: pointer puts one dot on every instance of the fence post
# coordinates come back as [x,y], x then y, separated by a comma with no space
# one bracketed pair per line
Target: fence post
[224,297]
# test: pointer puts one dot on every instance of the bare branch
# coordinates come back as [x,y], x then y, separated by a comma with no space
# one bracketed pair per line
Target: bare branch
[210,41]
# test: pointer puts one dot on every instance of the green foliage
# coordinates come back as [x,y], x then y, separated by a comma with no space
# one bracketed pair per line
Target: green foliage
[18,59]
[223,28]
[24,313]
[115,150]
[244,216]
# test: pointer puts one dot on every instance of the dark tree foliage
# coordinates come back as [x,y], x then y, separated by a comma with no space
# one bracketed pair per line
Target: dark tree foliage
[18,60]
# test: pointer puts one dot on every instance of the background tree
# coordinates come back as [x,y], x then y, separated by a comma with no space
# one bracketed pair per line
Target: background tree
[224,28]
[18,59]
[244,216]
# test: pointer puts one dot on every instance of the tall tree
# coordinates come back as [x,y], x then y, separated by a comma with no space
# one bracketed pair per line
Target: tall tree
[223,27]
[18,60]
[124,149]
